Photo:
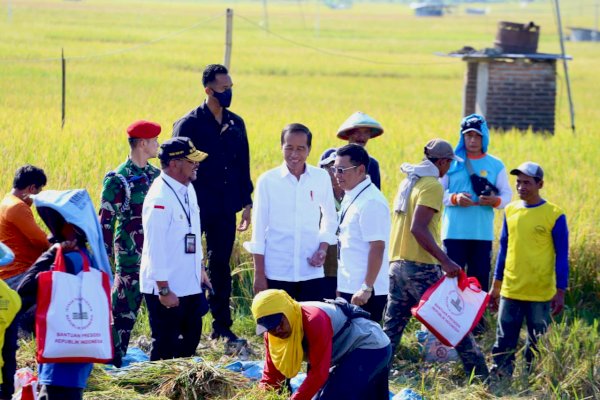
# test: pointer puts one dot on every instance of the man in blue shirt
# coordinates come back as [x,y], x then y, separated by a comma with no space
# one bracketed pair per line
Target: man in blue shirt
[468,219]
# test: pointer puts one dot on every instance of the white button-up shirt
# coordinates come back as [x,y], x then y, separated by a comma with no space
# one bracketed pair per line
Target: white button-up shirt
[366,219]
[286,222]
[165,226]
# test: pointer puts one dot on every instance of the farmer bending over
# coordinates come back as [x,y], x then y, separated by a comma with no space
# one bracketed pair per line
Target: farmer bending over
[325,334]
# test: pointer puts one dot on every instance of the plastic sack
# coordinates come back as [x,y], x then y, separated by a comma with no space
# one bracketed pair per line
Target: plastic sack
[452,307]
[73,315]
[432,349]
[25,385]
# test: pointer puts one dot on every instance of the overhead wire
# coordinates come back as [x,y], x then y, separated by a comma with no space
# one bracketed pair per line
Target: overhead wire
[117,51]
[335,53]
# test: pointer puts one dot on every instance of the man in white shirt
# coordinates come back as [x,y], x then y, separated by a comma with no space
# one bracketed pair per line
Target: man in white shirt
[364,233]
[172,274]
[289,236]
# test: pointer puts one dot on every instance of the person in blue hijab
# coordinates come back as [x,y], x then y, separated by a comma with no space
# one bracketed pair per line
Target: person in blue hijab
[473,190]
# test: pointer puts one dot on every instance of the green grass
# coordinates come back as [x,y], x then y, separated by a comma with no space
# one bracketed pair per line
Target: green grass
[413,93]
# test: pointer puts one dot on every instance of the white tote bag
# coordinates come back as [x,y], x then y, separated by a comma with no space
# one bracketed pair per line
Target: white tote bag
[452,307]
[73,316]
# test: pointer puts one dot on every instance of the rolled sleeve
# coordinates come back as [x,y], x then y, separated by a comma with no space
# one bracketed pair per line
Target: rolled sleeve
[504,187]
[447,195]
[260,220]
[329,221]
[375,222]
[156,222]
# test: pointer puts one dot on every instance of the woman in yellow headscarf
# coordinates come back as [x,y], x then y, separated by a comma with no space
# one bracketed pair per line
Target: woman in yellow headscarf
[322,334]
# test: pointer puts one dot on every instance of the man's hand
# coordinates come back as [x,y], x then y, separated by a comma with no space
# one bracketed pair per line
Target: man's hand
[170,300]
[318,258]
[451,268]
[361,297]
[495,295]
[206,279]
[260,283]
[245,220]
[464,200]
[558,302]
[488,200]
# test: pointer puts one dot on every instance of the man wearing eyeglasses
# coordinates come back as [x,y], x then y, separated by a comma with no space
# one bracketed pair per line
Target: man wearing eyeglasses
[417,260]
[363,233]
[289,236]
[172,275]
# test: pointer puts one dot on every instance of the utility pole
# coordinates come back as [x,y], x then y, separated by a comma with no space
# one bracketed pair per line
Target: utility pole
[228,38]
[565,66]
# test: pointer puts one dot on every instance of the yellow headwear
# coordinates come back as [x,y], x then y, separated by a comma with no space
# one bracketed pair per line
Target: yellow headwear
[287,354]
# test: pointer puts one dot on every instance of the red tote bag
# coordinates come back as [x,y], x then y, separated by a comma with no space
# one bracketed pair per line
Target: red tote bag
[452,307]
[73,316]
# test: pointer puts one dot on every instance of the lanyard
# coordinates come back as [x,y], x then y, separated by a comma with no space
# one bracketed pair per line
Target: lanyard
[347,208]
[188,214]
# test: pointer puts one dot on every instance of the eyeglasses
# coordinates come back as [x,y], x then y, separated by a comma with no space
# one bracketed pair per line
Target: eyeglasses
[189,161]
[340,170]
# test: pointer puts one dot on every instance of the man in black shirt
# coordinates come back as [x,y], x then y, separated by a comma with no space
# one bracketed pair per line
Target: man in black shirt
[223,186]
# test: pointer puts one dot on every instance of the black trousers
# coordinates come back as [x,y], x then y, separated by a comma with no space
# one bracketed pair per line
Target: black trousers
[310,290]
[168,324]
[219,231]
[375,305]
[474,256]
[9,353]
[51,392]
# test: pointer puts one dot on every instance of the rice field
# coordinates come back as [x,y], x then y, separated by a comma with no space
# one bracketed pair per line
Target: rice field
[134,59]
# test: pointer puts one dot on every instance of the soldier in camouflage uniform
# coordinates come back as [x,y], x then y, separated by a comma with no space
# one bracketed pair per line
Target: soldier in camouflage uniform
[123,195]
[417,261]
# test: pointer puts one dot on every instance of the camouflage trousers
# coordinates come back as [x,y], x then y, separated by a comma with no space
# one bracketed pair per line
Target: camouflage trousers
[408,282]
[126,301]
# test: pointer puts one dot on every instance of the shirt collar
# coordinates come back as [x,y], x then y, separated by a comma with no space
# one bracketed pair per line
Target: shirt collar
[357,189]
[130,164]
[176,185]
[284,171]
[206,110]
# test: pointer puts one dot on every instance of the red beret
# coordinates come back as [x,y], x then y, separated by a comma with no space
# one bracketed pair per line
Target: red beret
[143,130]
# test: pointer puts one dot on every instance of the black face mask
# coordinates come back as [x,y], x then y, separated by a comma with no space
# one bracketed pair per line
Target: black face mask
[224,97]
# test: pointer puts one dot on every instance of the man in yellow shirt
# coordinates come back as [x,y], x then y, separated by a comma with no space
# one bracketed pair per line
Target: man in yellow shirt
[416,259]
[532,268]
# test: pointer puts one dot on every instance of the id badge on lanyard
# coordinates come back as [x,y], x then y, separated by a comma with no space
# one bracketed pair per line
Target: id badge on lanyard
[190,243]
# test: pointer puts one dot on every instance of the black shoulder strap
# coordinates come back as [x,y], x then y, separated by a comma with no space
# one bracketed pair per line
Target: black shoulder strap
[351,311]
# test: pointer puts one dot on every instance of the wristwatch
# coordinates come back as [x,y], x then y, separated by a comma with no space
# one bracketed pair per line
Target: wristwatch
[366,288]
[163,291]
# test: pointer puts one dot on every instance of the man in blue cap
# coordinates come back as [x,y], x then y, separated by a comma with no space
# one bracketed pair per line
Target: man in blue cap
[473,189]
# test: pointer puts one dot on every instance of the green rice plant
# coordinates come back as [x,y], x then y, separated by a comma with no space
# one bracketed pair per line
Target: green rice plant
[568,360]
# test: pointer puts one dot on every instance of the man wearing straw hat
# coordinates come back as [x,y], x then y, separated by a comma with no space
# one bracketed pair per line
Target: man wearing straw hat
[359,128]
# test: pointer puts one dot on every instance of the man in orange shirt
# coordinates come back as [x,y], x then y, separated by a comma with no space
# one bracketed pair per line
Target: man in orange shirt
[18,229]
[26,239]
